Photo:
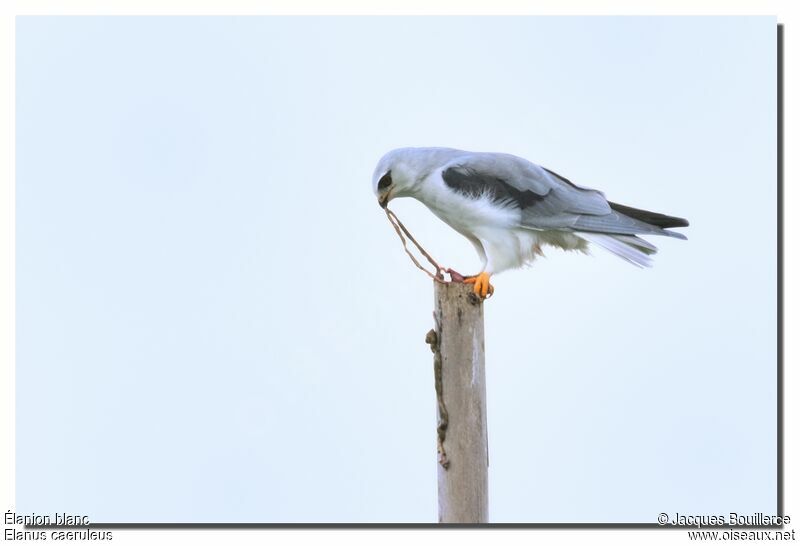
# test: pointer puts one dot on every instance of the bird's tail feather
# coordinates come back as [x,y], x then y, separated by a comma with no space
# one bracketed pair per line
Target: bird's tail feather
[648,217]
[628,247]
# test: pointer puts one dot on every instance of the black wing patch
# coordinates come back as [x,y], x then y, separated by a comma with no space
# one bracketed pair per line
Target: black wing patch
[471,183]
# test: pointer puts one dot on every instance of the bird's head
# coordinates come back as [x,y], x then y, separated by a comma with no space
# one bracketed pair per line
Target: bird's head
[395,176]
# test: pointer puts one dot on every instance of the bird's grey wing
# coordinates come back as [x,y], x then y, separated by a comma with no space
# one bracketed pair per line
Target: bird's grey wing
[545,199]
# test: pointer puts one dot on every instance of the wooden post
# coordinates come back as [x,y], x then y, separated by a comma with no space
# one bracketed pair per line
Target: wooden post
[459,367]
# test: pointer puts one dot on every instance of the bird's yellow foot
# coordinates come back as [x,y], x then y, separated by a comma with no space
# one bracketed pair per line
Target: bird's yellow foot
[482,287]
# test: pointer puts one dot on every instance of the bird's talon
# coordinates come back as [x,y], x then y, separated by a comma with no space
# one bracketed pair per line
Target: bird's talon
[482,287]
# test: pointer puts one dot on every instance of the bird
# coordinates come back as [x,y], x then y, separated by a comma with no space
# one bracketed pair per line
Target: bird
[509,208]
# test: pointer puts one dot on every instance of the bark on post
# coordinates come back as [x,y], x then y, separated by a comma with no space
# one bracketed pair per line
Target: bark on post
[458,347]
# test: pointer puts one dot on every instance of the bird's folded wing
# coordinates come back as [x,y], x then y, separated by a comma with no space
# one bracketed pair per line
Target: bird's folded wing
[514,182]
[545,200]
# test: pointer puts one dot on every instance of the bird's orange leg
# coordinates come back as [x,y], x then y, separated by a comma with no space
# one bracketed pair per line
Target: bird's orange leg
[482,287]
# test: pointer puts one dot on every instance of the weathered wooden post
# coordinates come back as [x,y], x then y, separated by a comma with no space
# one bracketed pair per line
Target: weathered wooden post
[460,376]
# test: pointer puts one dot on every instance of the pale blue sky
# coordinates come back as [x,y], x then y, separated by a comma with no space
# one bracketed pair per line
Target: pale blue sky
[215,322]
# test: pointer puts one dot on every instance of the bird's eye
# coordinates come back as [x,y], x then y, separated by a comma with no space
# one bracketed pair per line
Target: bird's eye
[385,181]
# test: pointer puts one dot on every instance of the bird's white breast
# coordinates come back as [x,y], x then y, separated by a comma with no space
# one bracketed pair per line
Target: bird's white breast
[490,226]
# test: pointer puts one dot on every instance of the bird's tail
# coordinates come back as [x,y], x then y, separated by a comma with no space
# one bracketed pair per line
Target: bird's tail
[628,247]
[652,218]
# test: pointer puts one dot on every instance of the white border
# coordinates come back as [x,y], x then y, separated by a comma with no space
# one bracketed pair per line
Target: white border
[9,9]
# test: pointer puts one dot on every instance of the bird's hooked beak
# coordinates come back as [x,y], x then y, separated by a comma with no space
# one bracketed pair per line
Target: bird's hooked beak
[383,200]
